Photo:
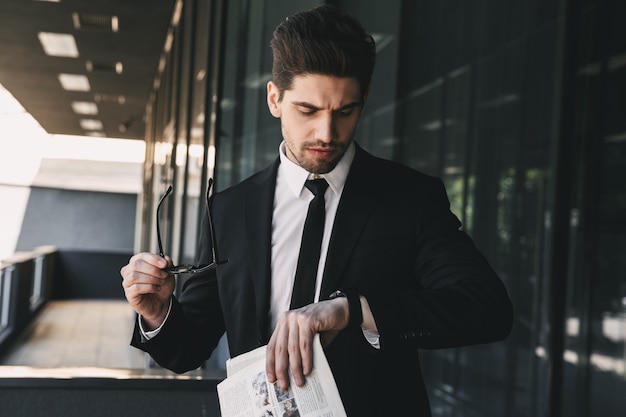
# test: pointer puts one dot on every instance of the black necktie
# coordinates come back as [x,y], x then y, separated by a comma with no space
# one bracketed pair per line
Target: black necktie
[306,272]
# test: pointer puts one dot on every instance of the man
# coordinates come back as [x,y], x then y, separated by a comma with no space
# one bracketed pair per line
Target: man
[395,272]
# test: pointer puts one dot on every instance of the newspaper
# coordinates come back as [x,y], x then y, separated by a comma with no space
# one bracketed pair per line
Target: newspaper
[246,391]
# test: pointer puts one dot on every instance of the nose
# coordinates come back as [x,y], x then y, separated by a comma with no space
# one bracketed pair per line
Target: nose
[325,128]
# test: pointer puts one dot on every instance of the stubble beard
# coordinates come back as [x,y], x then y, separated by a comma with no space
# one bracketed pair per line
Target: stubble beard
[314,165]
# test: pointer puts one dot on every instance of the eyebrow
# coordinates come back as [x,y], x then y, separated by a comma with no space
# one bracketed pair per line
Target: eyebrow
[313,107]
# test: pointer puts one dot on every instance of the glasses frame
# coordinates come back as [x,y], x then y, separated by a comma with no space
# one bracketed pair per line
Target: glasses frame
[189,269]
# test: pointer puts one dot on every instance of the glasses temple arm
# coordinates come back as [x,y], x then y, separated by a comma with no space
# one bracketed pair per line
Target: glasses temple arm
[210,221]
[158,228]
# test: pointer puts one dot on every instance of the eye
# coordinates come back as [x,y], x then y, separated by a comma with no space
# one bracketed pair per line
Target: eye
[347,112]
[306,111]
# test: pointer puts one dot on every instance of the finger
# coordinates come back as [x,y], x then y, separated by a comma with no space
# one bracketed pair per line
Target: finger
[139,293]
[139,279]
[294,347]
[270,362]
[282,358]
[152,259]
[277,360]
[306,350]
[168,262]
[145,265]
[138,289]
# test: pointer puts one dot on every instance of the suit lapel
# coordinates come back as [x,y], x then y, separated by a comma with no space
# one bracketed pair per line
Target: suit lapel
[355,207]
[258,226]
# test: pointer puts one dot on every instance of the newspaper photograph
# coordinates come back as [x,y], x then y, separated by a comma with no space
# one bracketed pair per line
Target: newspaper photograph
[247,392]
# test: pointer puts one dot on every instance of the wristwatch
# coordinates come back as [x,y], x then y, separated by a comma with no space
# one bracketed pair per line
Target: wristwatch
[354,305]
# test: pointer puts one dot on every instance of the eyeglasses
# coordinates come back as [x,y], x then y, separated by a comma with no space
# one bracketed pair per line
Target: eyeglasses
[189,269]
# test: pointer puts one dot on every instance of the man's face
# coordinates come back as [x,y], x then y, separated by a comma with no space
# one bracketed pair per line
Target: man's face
[319,115]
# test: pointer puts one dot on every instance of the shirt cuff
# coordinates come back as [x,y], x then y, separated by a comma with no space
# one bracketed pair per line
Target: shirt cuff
[152,333]
[372,337]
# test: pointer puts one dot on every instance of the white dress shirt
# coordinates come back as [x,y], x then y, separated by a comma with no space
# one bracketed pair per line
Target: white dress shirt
[291,203]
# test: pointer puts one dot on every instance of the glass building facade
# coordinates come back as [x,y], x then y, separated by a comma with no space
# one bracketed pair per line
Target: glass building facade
[519,106]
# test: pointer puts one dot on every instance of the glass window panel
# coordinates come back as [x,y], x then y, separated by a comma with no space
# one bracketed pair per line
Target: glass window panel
[476,127]
[608,311]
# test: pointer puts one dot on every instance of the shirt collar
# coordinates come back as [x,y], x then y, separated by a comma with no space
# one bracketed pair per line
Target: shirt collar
[296,176]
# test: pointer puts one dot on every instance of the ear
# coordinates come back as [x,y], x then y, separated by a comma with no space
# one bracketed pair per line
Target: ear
[273,99]
[366,93]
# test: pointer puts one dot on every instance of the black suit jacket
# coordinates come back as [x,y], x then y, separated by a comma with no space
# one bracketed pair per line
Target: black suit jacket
[394,240]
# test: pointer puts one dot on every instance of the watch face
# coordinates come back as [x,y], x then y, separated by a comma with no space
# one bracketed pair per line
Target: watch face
[336,294]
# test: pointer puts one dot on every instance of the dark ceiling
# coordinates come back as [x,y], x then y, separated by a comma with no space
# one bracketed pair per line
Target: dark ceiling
[120,65]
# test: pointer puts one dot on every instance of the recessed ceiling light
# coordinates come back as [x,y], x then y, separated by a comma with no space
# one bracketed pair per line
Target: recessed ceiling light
[91,124]
[110,98]
[99,66]
[84,107]
[95,21]
[74,82]
[58,44]
[115,24]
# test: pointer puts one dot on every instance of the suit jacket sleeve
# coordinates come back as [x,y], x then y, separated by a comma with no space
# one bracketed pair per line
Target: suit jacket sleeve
[448,296]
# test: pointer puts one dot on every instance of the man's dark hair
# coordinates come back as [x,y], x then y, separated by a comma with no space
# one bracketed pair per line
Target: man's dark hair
[322,41]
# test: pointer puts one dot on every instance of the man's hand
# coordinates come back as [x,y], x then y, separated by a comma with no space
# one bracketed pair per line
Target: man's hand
[291,344]
[147,287]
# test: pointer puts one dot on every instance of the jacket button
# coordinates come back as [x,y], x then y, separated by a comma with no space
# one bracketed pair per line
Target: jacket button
[409,335]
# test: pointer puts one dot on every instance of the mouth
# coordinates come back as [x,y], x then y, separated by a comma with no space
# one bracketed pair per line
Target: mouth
[319,152]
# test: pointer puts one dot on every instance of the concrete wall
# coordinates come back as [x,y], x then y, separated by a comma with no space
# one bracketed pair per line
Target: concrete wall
[93,232]
[78,220]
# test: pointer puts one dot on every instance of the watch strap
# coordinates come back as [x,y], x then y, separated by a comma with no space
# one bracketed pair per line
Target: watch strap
[354,305]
